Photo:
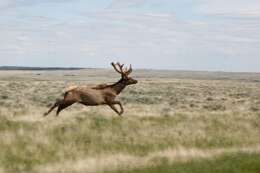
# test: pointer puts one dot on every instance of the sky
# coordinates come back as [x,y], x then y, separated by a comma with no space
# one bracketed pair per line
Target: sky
[211,35]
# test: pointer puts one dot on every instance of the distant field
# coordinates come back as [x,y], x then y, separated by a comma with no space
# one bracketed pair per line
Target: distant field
[175,121]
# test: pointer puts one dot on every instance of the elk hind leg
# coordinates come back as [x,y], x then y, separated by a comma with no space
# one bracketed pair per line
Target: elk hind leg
[64,104]
[56,104]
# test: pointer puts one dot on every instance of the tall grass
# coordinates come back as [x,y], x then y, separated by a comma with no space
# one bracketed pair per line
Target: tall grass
[234,163]
[161,115]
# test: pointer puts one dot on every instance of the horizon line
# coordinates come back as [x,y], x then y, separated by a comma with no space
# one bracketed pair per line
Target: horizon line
[53,68]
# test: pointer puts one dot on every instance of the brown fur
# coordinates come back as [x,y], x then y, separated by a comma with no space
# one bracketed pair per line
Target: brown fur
[102,94]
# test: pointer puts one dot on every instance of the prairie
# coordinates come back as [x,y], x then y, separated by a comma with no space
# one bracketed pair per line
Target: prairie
[174,121]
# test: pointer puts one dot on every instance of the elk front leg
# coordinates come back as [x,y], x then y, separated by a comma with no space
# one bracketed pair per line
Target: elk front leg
[121,106]
[112,106]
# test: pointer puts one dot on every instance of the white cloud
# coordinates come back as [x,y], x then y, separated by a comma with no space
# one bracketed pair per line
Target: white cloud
[119,4]
[4,4]
[231,8]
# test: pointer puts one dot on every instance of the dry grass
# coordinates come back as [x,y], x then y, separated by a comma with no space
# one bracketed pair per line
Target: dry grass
[175,118]
[115,162]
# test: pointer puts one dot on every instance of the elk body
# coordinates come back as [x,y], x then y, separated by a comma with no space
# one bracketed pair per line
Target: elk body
[98,95]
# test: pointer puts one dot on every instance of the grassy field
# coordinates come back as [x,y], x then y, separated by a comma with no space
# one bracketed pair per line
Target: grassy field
[174,122]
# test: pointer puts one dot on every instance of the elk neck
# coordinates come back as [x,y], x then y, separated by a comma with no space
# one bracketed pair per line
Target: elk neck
[118,86]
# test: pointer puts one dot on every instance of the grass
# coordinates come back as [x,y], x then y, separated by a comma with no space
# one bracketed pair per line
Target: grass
[234,163]
[161,116]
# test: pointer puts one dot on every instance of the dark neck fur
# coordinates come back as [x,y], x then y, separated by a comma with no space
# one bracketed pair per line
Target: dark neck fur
[118,86]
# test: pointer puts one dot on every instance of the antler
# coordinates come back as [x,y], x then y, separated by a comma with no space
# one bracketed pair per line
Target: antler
[127,72]
[119,68]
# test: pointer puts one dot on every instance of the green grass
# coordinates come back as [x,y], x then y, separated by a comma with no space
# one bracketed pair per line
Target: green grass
[8,125]
[236,163]
[93,134]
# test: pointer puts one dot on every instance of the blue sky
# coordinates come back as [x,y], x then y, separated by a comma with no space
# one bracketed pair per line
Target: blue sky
[215,35]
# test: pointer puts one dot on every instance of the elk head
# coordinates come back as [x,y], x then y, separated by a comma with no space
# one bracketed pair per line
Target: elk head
[125,72]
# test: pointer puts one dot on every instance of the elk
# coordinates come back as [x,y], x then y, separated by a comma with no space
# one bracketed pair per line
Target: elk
[99,95]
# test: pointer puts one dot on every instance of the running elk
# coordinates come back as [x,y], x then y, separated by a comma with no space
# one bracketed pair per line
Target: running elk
[99,95]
